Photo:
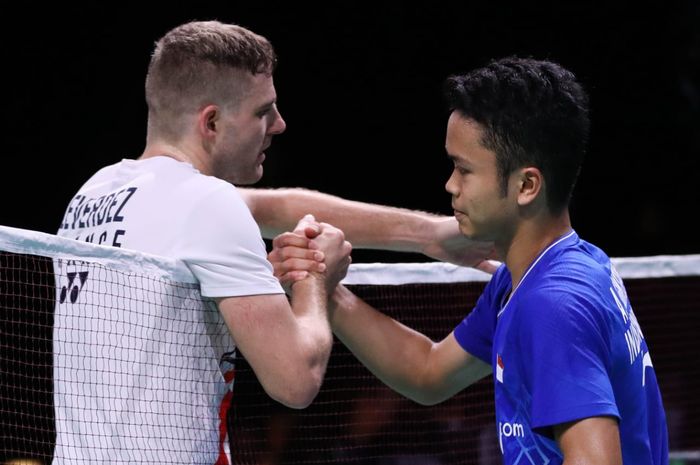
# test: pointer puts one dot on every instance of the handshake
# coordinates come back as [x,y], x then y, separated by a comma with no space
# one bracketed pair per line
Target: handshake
[321,250]
[313,249]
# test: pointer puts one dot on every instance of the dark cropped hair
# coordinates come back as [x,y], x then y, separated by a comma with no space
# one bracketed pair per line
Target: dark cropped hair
[533,113]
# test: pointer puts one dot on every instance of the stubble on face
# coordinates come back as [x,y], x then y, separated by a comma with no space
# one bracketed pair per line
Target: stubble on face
[238,153]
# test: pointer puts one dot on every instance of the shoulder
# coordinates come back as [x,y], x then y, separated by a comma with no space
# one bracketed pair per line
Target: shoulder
[572,293]
[218,197]
[190,187]
[578,268]
[104,173]
[575,274]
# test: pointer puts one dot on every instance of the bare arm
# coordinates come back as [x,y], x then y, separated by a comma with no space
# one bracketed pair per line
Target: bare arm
[288,345]
[404,359]
[367,225]
[594,440]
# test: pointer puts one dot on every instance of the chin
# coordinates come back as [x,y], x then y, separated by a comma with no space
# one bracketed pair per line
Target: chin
[258,173]
[468,232]
[255,174]
[246,180]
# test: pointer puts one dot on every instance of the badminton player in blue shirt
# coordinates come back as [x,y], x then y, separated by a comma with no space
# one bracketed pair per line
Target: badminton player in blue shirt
[573,375]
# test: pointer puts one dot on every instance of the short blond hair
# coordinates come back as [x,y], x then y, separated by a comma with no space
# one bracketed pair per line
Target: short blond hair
[201,62]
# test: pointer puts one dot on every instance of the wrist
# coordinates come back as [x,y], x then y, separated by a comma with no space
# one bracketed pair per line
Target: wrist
[432,231]
[314,283]
[340,301]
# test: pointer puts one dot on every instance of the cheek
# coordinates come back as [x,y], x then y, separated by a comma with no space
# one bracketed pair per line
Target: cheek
[249,142]
[470,191]
[480,200]
[258,138]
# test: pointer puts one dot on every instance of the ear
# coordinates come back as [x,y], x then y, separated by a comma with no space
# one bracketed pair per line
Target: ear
[530,184]
[208,120]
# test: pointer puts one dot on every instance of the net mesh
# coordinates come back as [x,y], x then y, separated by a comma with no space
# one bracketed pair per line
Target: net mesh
[50,355]
[27,290]
[355,418]
[105,366]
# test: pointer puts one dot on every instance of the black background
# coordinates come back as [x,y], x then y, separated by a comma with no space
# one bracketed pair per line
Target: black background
[360,88]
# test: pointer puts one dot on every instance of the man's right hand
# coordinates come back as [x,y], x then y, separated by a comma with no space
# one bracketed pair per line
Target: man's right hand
[316,248]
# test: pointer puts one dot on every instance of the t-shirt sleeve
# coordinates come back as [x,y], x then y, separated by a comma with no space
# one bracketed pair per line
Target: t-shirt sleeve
[565,351]
[475,332]
[226,251]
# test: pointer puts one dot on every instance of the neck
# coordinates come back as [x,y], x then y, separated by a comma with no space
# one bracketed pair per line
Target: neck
[531,238]
[178,152]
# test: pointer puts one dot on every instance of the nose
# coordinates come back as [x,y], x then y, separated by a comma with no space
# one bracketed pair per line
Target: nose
[279,125]
[451,185]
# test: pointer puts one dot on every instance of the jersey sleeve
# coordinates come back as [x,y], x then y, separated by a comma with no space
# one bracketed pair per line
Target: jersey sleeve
[565,350]
[475,333]
[227,253]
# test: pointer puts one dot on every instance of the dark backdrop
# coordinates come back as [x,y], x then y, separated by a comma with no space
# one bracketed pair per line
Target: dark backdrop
[359,87]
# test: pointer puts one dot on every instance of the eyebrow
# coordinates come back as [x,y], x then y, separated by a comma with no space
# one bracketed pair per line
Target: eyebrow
[268,105]
[455,158]
[461,161]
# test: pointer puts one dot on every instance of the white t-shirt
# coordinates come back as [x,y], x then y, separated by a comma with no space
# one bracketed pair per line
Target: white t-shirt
[166,207]
[142,368]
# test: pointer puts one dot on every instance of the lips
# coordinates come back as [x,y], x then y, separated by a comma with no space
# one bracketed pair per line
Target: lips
[261,156]
[458,214]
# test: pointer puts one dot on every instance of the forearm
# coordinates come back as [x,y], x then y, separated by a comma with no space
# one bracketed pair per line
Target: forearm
[393,352]
[309,304]
[365,225]
[286,345]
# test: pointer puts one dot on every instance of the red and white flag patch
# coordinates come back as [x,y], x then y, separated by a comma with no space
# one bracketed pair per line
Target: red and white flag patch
[499,368]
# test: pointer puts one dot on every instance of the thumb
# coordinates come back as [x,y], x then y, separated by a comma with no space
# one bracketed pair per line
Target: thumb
[308,226]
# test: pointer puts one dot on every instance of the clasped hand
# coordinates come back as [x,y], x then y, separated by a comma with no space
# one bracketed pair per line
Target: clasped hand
[313,249]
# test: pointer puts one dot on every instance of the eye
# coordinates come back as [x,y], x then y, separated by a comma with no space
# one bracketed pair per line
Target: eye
[266,110]
[462,170]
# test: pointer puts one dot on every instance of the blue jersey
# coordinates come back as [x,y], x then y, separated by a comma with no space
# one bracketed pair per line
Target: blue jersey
[565,345]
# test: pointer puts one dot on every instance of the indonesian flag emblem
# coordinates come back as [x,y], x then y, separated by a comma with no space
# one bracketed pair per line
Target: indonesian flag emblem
[499,368]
